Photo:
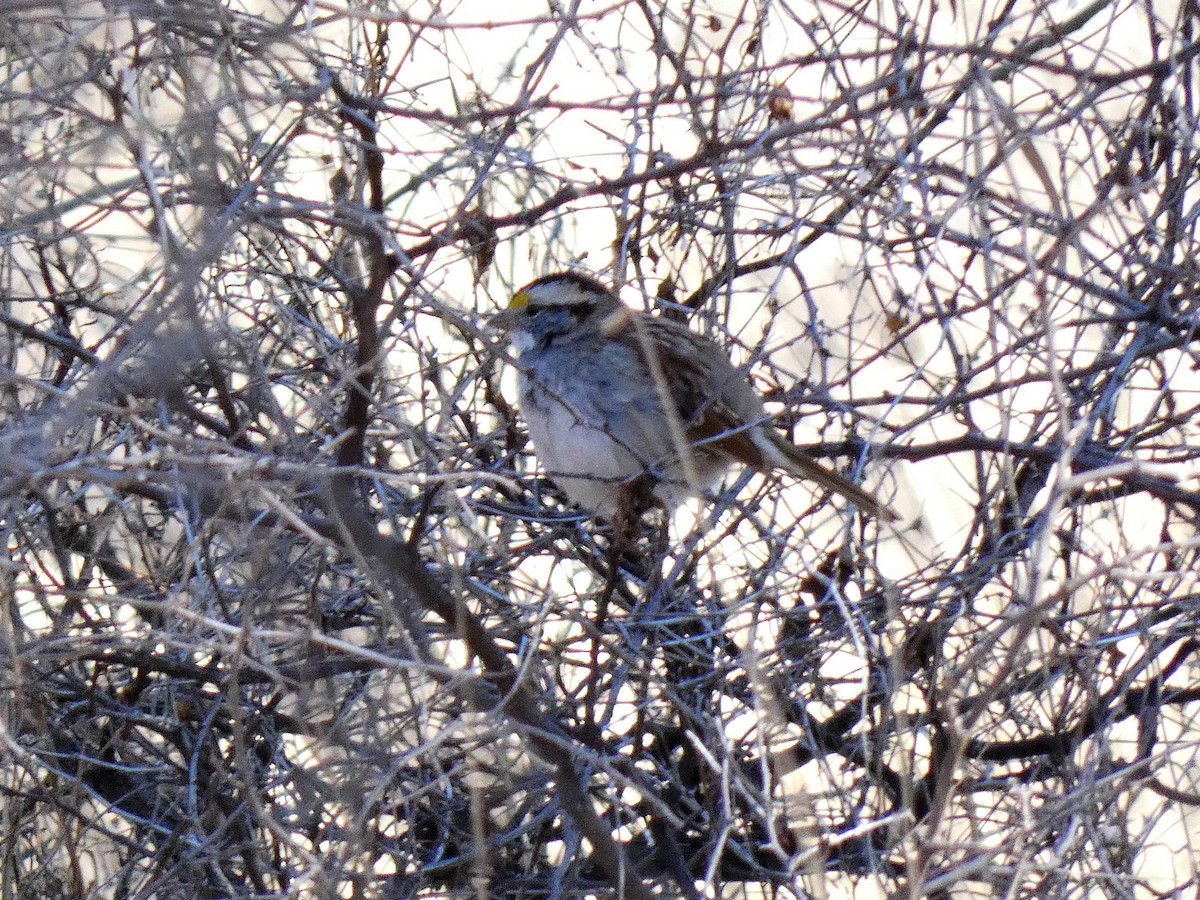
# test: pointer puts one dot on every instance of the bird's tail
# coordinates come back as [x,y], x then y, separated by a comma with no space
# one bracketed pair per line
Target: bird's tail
[783,455]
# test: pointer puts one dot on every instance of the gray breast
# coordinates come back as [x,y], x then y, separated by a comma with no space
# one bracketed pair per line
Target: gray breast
[596,421]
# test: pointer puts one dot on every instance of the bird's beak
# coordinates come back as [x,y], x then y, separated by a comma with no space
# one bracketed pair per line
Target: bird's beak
[507,318]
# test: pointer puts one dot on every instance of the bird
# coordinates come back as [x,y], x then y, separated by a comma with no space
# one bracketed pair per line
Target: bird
[612,397]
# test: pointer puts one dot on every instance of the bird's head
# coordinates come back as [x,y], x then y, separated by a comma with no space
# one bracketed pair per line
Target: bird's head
[564,303]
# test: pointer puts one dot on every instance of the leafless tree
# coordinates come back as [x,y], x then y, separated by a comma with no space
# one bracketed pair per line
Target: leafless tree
[291,610]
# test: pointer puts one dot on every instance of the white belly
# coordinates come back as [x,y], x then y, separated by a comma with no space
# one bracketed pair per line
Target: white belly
[594,432]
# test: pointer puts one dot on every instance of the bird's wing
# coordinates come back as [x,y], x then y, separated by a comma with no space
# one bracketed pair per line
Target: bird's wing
[716,405]
[719,409]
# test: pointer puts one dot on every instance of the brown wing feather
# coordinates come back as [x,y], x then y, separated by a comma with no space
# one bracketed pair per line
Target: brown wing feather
[710,394]
[719,409]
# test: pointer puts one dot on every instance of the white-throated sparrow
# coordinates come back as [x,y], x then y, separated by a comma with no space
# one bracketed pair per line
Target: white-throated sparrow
[611,395]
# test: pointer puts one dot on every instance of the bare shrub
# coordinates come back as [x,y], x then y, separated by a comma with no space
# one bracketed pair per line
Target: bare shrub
[290,610]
